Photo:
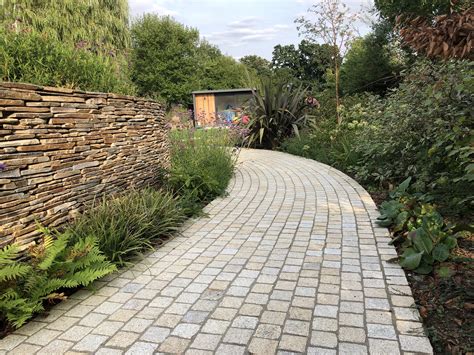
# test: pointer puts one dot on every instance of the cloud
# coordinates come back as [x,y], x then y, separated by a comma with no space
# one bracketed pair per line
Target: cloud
[160,7]
[245,30]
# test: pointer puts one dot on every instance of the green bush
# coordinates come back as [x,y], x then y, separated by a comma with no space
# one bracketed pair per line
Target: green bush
[55,264]
[276,111]
[202,163]
[126,226]
[38,59]
[423,129]
[328,142]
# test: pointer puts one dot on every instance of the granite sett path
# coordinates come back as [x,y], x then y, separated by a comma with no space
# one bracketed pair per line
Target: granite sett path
[290,261]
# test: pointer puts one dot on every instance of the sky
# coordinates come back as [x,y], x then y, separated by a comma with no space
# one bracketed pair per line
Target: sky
[242,27]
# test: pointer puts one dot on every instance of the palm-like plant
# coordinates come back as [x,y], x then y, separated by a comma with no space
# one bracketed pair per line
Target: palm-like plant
[277,111]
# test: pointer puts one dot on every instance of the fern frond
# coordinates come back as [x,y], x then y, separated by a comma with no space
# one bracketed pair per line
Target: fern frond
[51,253]
[14,271]
[9,254]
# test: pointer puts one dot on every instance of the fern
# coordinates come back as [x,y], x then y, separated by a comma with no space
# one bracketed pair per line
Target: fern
[52,266]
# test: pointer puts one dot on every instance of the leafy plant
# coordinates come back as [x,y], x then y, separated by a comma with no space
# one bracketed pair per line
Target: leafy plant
[425,238]
[202,163]
[51,266]
[277,112]
[125,226]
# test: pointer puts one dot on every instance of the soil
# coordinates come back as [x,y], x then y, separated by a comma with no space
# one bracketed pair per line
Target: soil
[446,304]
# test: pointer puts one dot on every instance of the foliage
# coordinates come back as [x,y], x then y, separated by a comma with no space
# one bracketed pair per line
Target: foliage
[163,57]
[55,264]
[369,65]
[423,129]
[390,9]
[36,58]
[307,63]
[446,36]
[215,70]
[331,22]
[261,66]
[100,25]
[202,163]
[276,111]
[170,60]
[424,237]
[125,226]
[327,142]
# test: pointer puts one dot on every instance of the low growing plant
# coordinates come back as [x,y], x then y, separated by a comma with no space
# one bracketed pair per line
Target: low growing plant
[127,225]
[424,237]
[55,264]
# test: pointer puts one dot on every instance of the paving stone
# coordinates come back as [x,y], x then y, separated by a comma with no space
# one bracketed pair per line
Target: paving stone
[55,347]
[90,343]
[238,336]
[415,344]
[174,345]
[44,336]
[107,328]
[268,331]
[353,335]
[142,348]
[75,333]
[185,330]
[245,322]
[11,341]
[122,339]
[296,327]
[324,339]
[213,326]
[24,349]
[381,331]
[229,349]
[206,341]
[352,349]
[382,347]
[263,346]
[292,343]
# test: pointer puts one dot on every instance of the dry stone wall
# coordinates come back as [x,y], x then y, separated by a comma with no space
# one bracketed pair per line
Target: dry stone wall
[61,148]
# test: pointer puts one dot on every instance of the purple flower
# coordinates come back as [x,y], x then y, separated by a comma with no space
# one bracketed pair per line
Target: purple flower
[3,166]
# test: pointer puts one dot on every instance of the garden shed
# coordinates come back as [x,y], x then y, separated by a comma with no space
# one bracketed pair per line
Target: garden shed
[211,106]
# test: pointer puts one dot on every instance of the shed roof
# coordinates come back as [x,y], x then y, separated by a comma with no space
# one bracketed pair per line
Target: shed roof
[223,91]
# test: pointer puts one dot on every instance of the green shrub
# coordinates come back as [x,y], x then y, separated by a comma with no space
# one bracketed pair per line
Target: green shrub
[202,164]
[425,239]
[276,112]
[38,59]
[126,226]
[423,129]
[55,264]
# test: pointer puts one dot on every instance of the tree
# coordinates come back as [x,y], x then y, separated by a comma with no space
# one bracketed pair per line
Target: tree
[215,70]
[95,24]
[261,66]
[334,25]
[307,63]
[390,9]
[164,57]
[369,65]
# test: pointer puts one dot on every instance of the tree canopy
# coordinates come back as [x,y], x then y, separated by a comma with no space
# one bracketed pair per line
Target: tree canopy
[308,62]
[170,60]
[261,66]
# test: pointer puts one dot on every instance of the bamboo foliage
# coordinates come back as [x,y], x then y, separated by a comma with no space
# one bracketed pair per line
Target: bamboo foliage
[95,24]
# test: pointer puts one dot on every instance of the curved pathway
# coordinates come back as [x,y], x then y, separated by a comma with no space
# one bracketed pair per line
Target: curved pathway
[290,261]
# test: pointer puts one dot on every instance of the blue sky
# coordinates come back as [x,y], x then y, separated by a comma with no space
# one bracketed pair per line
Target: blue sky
[241,27]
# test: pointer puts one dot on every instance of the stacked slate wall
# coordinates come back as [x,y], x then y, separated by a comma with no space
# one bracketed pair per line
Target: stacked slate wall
[62,148]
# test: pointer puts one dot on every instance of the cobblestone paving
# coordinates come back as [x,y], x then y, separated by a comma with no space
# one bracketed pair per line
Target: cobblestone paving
[290,261]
